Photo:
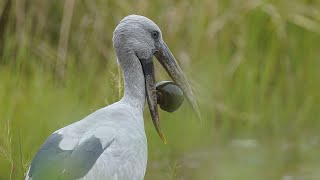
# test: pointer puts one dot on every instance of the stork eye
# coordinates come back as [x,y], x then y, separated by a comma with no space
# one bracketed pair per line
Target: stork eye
[155,34]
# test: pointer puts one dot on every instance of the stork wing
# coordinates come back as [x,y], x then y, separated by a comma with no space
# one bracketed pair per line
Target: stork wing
[52,163]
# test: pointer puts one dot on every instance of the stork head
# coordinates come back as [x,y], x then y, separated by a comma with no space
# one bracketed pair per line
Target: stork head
[142,37]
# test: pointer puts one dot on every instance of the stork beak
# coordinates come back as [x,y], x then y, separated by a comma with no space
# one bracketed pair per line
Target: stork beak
[148,70]
[168,61]
[172,67]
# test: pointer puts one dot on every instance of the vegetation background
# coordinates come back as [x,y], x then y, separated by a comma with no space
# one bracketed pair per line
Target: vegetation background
[254,66]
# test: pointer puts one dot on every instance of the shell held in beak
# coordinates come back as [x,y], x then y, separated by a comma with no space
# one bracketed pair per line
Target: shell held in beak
[169,96]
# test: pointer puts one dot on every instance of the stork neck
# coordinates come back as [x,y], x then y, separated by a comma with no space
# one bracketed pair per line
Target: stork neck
[134,82]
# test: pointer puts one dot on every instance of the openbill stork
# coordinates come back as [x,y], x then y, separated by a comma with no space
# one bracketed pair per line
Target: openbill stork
[111,142]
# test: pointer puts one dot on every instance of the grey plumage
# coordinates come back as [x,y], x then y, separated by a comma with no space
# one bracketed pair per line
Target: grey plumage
[52,162]
[49,160]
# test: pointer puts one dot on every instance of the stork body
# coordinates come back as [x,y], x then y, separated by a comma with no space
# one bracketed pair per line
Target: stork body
[111,142]
[96,147]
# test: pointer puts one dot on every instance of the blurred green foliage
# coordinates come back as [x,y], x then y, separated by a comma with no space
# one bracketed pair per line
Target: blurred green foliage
[254,66]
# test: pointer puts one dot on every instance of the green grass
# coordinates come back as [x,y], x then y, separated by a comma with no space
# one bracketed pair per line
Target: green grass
[254,66]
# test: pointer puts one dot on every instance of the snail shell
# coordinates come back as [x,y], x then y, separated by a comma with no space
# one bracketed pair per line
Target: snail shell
[169,96]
